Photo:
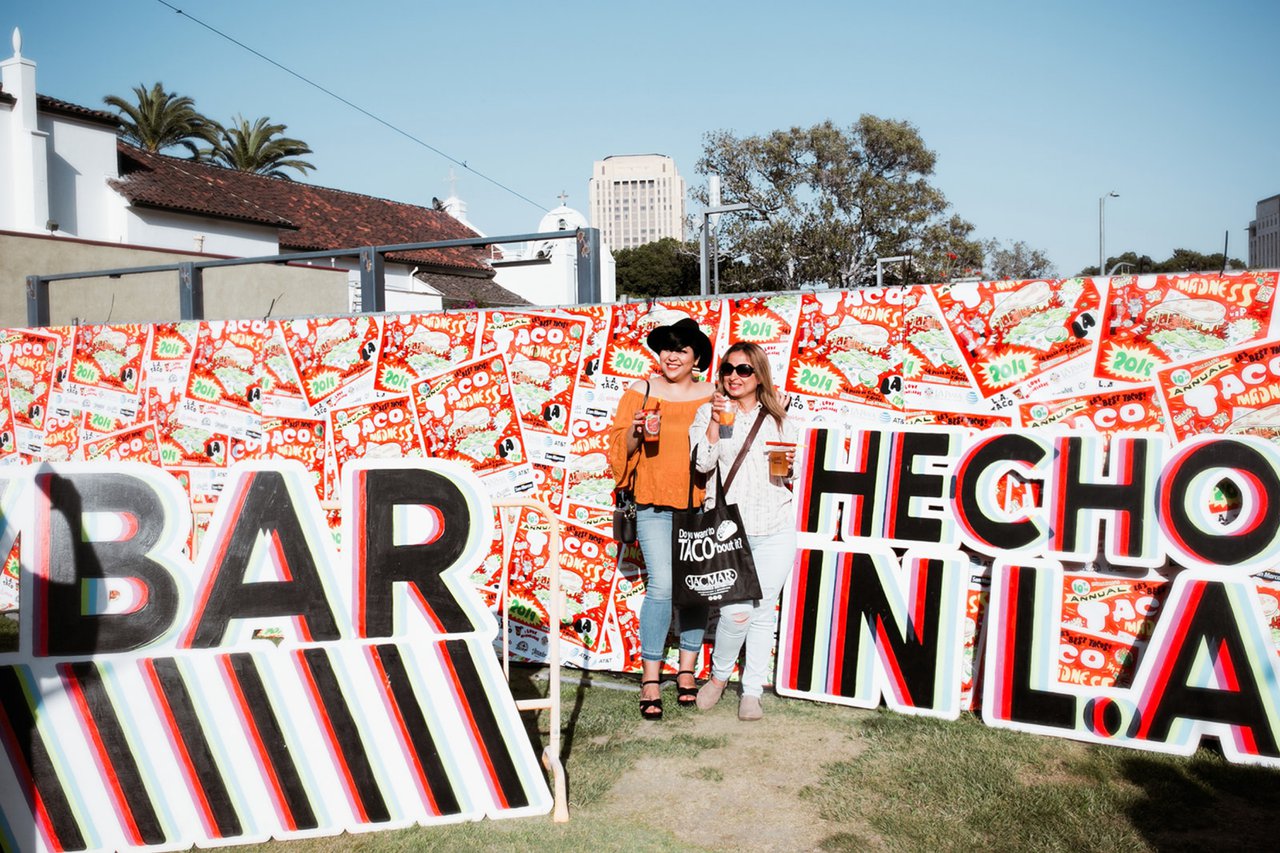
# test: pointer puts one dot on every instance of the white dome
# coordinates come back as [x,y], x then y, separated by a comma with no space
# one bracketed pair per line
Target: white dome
[562,219]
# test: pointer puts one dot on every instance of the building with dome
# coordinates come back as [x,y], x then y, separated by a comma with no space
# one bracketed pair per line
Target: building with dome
[544,272]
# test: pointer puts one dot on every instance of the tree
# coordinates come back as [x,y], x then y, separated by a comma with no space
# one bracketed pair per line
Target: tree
[665,267]
[260,148]
[949,251]
[1017,261]
[1182,260]
[826,202]
[156,120]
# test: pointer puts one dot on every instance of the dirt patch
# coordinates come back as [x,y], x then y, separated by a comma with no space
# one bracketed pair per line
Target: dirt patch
[741,796]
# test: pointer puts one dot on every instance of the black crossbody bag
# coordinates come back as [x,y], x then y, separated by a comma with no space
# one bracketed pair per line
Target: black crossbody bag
[624,499]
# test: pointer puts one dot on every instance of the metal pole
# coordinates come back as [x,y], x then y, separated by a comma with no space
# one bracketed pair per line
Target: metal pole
[1102,254]
[588,255]
[190,291]
[37,301]
[373,281]
[704,288]
[715,258]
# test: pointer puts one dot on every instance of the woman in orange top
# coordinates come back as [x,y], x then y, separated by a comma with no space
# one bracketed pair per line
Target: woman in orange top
[662,473]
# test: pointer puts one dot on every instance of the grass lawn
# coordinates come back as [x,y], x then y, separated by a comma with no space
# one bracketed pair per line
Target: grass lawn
[812,776]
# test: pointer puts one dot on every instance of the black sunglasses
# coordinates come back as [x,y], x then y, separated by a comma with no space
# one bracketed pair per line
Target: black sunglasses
[741,369]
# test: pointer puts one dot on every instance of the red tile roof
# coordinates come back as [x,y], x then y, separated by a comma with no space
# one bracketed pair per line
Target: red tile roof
[310,218]
[45,104]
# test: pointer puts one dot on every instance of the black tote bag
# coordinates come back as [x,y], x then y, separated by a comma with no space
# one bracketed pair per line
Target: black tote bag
[711,561]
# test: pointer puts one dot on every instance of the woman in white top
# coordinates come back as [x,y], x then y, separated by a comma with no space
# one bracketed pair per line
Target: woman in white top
[767,515]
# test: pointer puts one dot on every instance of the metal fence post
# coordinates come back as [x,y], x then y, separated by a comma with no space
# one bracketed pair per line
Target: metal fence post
[190,291]
[373,281]
[37,301]
[588,243]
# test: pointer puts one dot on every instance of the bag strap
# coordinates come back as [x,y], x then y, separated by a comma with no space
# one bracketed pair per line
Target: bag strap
[722,486]
[742,453]
[631,481]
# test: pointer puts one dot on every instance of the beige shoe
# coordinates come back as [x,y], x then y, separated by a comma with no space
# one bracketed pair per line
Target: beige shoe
[749,709]
[709,693]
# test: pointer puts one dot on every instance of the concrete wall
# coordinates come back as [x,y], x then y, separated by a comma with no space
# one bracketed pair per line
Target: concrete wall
[233,293]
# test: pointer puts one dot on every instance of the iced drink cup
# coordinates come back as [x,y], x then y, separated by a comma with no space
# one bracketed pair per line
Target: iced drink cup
[726,420]
[779,466]
[652,424]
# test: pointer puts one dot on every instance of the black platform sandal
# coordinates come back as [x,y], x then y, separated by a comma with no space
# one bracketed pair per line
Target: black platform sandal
[651,709]
[686,696]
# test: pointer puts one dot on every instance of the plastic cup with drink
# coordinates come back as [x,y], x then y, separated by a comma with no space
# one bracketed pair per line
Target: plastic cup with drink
[726,419]
[779,464]
[652,425]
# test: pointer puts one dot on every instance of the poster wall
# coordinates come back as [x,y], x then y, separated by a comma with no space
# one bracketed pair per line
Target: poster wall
[1020,550]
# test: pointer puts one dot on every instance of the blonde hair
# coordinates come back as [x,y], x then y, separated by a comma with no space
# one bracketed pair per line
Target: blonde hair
[765,392]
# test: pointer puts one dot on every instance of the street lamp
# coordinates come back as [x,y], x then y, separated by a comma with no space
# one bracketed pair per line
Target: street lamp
[1102,252]
[708,222]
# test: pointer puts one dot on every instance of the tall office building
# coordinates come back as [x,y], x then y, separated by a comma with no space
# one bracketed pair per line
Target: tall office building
[1264,235]
[636,199]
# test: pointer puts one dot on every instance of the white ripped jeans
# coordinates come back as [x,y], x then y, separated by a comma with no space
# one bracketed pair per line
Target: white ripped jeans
[755,622]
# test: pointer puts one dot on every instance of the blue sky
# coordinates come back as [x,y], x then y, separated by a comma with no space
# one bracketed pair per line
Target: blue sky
[1035,109]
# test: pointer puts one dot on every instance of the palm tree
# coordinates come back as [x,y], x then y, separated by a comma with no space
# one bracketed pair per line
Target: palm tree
[160,120]
[260,148]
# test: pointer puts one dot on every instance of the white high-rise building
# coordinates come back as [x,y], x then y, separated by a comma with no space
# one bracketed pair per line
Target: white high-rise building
[1264,235]
[636,199]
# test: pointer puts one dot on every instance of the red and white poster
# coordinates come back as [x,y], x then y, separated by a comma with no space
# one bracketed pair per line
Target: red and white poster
[1011,332]
[417,345]
[467,414]
[105,371]
[331,354]
[29,357]
[224,386]
[544,357]
[1155,320]
[627,355]
[843,347]
[1236,393]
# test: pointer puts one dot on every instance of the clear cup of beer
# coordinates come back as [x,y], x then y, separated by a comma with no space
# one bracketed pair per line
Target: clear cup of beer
[779,464]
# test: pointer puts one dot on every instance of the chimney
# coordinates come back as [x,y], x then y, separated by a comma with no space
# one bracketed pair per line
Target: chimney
[27,169]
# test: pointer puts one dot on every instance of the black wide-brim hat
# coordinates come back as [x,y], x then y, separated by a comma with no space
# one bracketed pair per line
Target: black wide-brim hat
[681,334]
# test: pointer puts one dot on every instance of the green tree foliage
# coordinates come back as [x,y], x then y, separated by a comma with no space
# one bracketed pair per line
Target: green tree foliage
[1182,260]
[260,147]
[826,202]
[665,267]
[156,120]
[1015,261]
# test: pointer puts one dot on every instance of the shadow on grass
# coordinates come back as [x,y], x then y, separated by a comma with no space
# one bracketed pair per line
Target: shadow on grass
[526,684]
[1203,803]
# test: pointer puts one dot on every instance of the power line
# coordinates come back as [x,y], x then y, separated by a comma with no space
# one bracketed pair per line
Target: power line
[356,107]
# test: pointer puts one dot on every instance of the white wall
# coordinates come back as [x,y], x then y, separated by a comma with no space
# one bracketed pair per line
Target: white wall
[163,230]
[7,194]
[81,158]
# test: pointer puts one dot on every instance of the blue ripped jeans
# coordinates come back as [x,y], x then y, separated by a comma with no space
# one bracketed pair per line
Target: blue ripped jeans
[653,532]
[755,623]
